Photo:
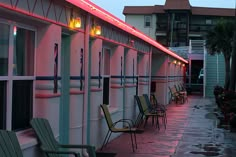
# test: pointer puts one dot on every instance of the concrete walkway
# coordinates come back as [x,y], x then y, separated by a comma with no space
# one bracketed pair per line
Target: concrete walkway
[191,132]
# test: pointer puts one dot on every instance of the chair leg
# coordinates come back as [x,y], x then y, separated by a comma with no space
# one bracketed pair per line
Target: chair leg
[132,141]
[146,119]
[135,140]
[108,138]
[157,123]
[105,140]
[141,121]
[138,120]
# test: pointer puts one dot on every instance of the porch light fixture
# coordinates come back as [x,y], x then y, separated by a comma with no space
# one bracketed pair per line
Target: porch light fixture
[75,22]
[183,65]
[174,61]
[98,30]
[179,63]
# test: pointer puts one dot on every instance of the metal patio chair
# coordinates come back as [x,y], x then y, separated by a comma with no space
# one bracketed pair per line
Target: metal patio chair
[113,128]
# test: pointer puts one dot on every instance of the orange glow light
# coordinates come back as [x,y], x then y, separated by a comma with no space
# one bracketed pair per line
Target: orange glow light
[98,30]
[77,22]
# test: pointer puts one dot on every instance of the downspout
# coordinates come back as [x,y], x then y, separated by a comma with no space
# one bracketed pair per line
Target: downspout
[150,71]
[167,78]
[204,71]
[124,81]
[217,68]
[87,76]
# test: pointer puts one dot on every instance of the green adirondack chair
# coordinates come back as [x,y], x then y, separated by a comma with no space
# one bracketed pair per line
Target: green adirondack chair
[50,145]
[9,145]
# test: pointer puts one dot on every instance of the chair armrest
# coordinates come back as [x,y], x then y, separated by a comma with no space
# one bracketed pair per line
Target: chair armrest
[124,121]
[127,120]
[90,149]
[61,152]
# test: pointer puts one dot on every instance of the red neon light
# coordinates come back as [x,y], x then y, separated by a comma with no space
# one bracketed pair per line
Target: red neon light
[106,16]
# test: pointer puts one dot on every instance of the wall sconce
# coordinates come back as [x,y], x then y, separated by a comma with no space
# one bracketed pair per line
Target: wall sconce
[174,61]
[75,22]
[98,30]
[179,63]
[183,65]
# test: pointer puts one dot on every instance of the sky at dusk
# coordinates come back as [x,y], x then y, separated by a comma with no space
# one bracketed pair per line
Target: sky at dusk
[116,7]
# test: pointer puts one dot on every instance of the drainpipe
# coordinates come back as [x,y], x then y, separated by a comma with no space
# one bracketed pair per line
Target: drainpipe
[124,80]
[87,74]
[150,70]
[204,71]
[166,80]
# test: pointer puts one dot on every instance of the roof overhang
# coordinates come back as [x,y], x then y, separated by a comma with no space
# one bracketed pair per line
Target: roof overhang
[108,17]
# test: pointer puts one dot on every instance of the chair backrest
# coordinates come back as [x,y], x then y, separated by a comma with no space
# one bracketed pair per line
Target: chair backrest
[148,102]
[139,104]
[9,145]
[44,133]
[143,103]
[172,91]
[107,115]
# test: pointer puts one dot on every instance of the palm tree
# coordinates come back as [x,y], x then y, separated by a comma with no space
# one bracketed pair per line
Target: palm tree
[233,63]
[219,40]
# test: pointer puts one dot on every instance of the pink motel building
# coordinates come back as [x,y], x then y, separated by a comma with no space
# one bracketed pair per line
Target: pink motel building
[61,59]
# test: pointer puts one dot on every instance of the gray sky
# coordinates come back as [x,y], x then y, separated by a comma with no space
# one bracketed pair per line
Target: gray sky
[116,7]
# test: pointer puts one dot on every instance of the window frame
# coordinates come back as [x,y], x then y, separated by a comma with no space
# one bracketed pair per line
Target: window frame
[146,18]
[10,77]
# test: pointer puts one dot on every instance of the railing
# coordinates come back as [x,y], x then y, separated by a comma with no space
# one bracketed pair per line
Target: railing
[196,46]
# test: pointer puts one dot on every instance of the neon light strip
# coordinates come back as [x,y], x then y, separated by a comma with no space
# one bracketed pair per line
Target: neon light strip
[108,17]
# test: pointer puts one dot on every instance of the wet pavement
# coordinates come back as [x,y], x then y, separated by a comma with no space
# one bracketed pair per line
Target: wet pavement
[192,131]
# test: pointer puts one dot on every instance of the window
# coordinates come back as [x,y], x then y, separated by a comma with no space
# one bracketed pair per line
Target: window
[22,103]
[2,104]
[4,44]
[208,21]
[23,52]
[16,76]
[147,21]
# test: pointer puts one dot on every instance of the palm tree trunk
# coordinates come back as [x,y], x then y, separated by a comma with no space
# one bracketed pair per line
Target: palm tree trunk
[233,63]
[227,72]
[233,67]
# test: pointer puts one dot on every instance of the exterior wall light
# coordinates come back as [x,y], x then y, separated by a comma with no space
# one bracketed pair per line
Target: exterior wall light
[179,63]
[98,30]
[75,22]
[183,65]
[174,61]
